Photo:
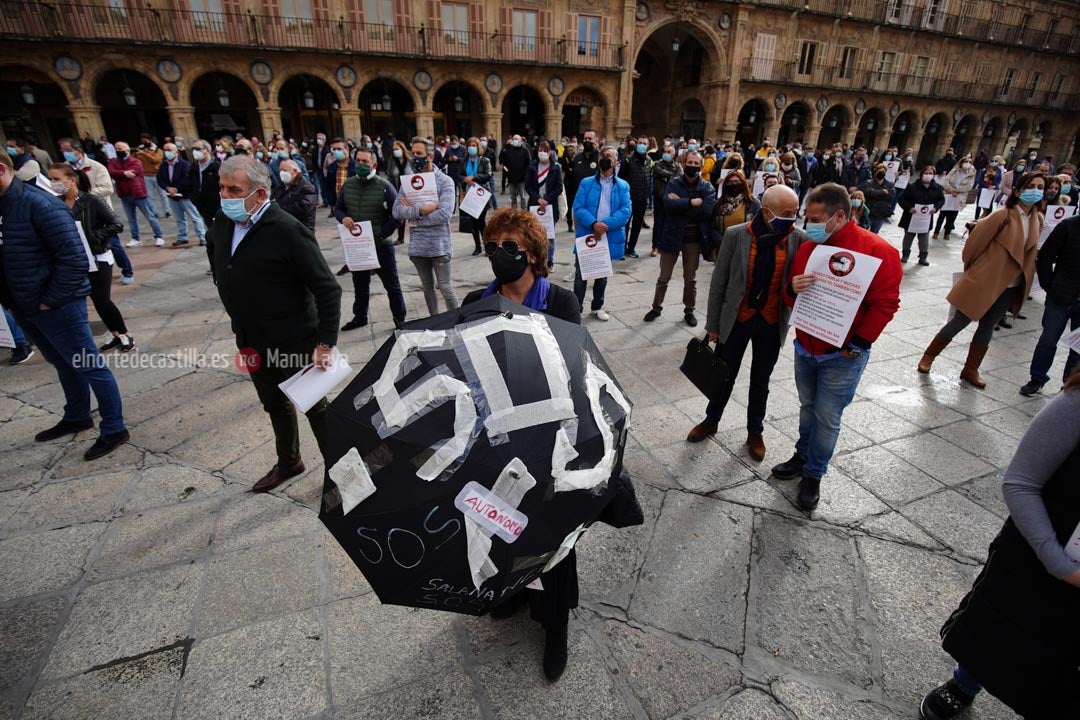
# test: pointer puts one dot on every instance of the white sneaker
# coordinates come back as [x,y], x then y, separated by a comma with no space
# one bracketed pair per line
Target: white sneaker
[134,243]
[160,242]
[601,315]
[570,276]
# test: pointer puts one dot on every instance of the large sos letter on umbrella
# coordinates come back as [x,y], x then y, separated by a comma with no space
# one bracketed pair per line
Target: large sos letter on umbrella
[471,453]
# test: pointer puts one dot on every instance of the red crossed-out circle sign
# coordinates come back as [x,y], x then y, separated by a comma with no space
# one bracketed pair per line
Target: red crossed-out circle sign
[1059,212]
[541,210]
[417,182]
[480,192]
[841,263]
[591,241]
[925,209]
[357,229]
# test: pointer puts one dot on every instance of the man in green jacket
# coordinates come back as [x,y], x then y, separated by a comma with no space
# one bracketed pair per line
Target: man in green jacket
[284,302]
[366,196]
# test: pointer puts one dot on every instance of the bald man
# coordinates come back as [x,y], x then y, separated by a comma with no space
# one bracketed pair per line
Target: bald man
[296,195]
[746,306]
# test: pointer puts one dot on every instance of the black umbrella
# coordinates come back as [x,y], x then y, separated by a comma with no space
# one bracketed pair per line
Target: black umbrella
[471,452]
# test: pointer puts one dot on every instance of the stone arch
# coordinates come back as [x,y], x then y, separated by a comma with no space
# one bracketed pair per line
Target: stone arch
[533,120]
[447,119]
[512,84]
[211,118]
[188,81]
[699,29]
[441,79]
[965,134]
[576,123]
[315,71]
[95,70]
[872,125]
[124,117]
[936,128]
[43,116]
[754,114]
[794,121]
[835,121]
[376,120]
[43,68]
[906,123]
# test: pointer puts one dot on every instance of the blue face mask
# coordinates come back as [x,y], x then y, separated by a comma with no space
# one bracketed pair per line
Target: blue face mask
[817,232]
[339,155]
[856,203]
[666,157]
[71,157]
[283,155]
[234,208]
[259,155]
[472,150]
[1066,189]
[691,148]
[170,155]
[888,157]
[419,163]
[641,148]
[483,143]
[1030,197]
[13,152]
[1019,170]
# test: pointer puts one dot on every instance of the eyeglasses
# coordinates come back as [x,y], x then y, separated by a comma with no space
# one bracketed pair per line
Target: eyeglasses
[509,247]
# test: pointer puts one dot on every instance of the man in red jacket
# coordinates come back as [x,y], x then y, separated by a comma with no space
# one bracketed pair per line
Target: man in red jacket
[127,172]
[827,376]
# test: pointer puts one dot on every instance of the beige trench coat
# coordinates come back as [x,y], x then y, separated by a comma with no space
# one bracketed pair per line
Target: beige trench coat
[995,253]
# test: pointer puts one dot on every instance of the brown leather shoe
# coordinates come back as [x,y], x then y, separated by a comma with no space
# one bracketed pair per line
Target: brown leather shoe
[756,443]
[278,475]
[701,431]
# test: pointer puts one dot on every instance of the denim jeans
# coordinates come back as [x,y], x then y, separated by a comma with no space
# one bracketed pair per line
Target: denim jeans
[895,199]
[17,335]
[875,224]
[599,286]
[181,208]
[826,385]
[966,681]
[63,336]
[122,260]
[1054,319]
[494,195]
[387,272]
[435,271]
[156,196]
[766,340]
[143,205]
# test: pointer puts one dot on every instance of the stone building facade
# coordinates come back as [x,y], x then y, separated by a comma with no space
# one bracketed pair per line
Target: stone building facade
[926,74]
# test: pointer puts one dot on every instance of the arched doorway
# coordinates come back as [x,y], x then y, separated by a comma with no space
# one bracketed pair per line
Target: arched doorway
[928,149]
[224,104]
[674,64]
[793,124]
[991,136]
[692,119]
[36,108]
[1017,132]
[582,110]
[901,130]
[523,113]
[870,129]
[751,123]
[1042,130]
[387,107]
[131,103]
[308,106]
[965,134]
[833,124]
[459,110]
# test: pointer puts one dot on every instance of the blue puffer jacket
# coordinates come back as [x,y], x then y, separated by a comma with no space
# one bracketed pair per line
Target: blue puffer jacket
[587,202]
[42,259]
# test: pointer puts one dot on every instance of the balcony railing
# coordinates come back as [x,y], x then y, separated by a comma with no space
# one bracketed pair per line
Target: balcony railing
[1006,31]
[861,79]
[153,26]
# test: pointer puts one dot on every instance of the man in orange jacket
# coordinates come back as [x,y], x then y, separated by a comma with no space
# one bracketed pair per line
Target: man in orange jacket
[827,376]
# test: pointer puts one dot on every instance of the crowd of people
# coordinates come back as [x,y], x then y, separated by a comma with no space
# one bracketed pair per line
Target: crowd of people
[737,208]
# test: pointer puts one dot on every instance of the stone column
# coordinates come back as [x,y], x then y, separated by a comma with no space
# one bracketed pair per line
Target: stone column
[914,141]
[553,127]
[772,129]
[847,135]
[493,126]
[810,137]
[425,122]
[350,122]
[182,118]
[87,117]
[270,118]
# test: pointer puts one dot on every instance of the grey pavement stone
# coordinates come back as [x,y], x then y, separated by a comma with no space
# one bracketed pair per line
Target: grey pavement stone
[666,677]
[256,519]
[199,414]
[228,442]
[982,440]
[123,618]
[28,463]
[25,632]
[346,580]
[1010,421]
[877,423]
[896,527]
[749,704]
[10,502]
[849,440]
[887,476]
[908,403]
[140,408]
[694,580]
[956,521]
[144,687]
[516,687]
[274,669]
[702,467]
[45,561]
[987,491]
[806,603]
[84,499]
[71,462]
[659,425]
[360,632]
[451,694]
[939,458]
[156,537]
[843,501]
[169,484]
[645,469]
[821,704]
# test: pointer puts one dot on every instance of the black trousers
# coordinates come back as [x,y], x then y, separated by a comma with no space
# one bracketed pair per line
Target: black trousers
[637,217]
[276,367]
[766,341]
[101,296]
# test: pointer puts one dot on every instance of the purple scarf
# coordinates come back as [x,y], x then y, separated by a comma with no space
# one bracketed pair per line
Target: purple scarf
[535,300]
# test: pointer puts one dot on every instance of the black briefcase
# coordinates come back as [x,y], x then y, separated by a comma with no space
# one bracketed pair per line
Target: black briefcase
[704,367]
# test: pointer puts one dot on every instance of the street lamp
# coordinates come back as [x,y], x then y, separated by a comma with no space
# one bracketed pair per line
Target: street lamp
[902,126]
[932,129]
[962,130]
[523,107]
[584,109]
[223,97]
[675,44]
[832,121]
[870,124]
[386,102]
[752,118]
[309,99]
[129,96]
[28,94]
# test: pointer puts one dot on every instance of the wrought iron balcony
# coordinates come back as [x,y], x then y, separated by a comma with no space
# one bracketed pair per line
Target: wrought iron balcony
[188,28]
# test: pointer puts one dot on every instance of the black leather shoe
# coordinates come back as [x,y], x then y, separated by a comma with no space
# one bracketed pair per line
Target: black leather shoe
[278,475]
[343,271]
[652,315]
[1031,387]
[353,324]
[809,493]
[555,653]
[789,470]
[105,444]
[691,319]
[64,427]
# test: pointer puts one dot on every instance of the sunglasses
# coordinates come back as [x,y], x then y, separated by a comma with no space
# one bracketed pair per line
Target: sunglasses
[508,246]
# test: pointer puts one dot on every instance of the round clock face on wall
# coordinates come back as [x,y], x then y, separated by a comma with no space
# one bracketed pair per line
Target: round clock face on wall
[261,73]
[168,70]
[493,83]
[68,67]
[556,86]
[642,11]
[346,76]
[422,81]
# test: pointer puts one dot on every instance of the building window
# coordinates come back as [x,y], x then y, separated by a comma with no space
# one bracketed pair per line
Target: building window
[296,13]
[1025,21]
[807,53]
[379,12]
[455,23]
[1061,87]
[524,30]
[934,12]
[920,66]
[764,52]
[1006,84]
[207,14]
[896,11]
[885,65]
[1036,77]
[847,62]
[588,35]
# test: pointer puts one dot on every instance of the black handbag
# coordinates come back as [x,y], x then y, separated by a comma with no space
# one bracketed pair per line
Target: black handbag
[704,367]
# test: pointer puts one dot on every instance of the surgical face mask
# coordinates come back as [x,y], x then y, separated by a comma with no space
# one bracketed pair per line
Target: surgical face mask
[888,157]
[966,166]
[994,164]
[339,155]
[542,156]
[419,163]
[483,144]
[285,175]
[170,155]
[473,151]
[1031,196]
[217,148]
[234,208]
[1033,157]
[71,157]
[398,153]
[856,203]
[641,148]
[1066,188]
[453,145]
[58,186]
[13,152]
[908,158]
[606,164]
[320,142]
[198,155]
[666,157]
[362,170]
[769,167]
[1020,169]
[818,232]
[259,155]
[827,156]
[283,155]
[515,143]
[781,225]
[691,147]
[928,178]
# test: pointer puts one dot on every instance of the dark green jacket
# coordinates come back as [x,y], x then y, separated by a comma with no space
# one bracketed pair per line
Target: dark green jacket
[370,199]
[277,288]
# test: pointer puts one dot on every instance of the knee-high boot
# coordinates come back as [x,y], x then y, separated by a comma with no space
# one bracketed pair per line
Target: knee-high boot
[935,348]
[970,373]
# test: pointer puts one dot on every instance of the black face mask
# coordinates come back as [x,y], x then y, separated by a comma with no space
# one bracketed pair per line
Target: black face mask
[589,146]
[121,154]
[507,267]
[732,190]
[691,171]
[880,175]
[605,164]
[419,163]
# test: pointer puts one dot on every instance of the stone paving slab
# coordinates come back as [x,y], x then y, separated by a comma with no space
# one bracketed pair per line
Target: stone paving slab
[154,584]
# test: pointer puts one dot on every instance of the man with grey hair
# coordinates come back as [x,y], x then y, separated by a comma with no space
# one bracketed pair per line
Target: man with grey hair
[204,181]
[746,306]
[515,160]
[174,177]
[295,194]
[282,298]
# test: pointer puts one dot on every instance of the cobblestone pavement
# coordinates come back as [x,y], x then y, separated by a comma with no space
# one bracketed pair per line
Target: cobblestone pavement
[152,584]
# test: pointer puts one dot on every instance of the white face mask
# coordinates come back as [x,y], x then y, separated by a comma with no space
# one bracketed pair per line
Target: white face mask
[927,178]
[217,148]
[286,176]
[966,166]
[542,156]
[198,155]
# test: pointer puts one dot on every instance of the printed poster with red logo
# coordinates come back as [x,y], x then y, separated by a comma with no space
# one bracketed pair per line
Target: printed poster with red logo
[420,188]
[827,308]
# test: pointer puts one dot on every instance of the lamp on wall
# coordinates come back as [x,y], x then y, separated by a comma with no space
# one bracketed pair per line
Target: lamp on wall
[128,93]
[832,121]
[223,97]
[870,124]
[962,130]
[584,109]
[523,106]
[386,101]
[459,102]
[794,120]
[675,44]
[309,99]
[27,93]
[932,128]
[752,117]
[902,127]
